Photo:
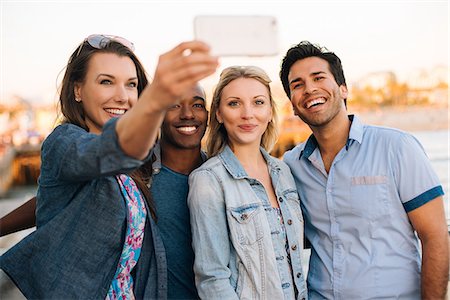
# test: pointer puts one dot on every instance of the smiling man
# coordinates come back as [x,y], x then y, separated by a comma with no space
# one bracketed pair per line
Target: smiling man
[364,191]
[177,154]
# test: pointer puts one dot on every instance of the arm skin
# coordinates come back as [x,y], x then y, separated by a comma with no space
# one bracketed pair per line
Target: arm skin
[431,226]
[23,217]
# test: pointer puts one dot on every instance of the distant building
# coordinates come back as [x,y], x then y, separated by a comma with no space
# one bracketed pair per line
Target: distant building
[421,87]
[429,85]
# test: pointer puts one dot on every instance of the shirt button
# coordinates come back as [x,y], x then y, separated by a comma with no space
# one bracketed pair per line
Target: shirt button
[280,199]
[294,247]
[289,222]
[299,275]
[244,217]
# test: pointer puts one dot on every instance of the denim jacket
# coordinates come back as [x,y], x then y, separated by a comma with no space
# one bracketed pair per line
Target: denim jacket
[81,223]
[235,257]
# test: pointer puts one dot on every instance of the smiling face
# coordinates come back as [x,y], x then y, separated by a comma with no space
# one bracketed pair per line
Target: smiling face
[245,111]
[315,96]
[108,90]
[185,123]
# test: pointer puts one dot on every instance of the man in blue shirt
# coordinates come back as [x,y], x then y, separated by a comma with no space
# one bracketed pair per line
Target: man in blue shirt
[364,191]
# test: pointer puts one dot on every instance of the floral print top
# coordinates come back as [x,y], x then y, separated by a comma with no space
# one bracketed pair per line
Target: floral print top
[122,284]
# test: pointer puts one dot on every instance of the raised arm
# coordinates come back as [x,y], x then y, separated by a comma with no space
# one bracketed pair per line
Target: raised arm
[178,70]
[431,226]
[21,218]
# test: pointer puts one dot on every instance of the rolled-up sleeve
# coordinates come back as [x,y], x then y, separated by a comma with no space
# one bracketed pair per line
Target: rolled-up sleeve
[415,178]
[210,237]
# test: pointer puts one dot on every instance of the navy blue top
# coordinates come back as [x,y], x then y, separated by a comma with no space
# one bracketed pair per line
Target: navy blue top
[81,223]
[169,190]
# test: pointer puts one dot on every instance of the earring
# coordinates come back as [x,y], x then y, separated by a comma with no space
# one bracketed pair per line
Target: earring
[78,99]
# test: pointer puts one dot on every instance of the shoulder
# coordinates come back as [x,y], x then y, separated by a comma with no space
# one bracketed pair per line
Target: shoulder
[64,129]
[64,133]
[389,136]
[279,163]
[209,165]
[384,132]
[294,153]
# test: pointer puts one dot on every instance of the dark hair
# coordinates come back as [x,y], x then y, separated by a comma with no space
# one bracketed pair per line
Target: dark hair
[303,50]
[76,71]
[73,111]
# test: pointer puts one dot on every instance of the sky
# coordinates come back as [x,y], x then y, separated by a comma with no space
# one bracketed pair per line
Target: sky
[37,37]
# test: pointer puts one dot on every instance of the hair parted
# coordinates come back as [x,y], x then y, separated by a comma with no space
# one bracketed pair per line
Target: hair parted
[76,70]
[217,135]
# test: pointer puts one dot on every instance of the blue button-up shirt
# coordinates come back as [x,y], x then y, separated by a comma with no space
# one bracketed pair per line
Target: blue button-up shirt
[363,245]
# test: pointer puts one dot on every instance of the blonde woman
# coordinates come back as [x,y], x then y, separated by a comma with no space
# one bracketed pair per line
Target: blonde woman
[246,220]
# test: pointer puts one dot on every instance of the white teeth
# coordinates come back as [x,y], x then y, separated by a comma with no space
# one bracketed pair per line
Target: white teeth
[115,111]
[187,129]
[314,102]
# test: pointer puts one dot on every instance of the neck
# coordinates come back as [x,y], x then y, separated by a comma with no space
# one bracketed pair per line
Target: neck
[249,156]
[333,136]
[180,160]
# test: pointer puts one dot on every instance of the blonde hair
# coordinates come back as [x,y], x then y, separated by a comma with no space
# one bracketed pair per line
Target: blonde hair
[217,134]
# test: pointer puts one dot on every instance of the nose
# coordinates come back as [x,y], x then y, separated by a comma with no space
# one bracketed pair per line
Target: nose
[121,94]
[246,112]
[310,87]
[186,112]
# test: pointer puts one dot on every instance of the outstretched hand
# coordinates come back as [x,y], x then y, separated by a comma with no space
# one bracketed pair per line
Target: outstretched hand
[179,70]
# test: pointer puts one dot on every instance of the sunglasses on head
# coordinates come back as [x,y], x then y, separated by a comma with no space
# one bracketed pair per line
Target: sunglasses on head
[100,41]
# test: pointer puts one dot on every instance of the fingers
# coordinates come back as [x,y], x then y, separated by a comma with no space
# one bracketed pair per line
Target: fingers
[187,66]
[180,69]
[191,45]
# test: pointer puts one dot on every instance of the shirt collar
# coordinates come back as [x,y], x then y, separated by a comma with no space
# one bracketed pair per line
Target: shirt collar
[355,134]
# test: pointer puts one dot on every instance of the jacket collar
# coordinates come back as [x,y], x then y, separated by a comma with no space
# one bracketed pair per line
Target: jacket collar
[234,166]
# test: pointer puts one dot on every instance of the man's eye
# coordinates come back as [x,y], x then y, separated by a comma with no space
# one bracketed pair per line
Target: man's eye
[176,106]
[199,105]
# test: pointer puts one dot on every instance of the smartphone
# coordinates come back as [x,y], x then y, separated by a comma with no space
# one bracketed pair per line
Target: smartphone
[238,35]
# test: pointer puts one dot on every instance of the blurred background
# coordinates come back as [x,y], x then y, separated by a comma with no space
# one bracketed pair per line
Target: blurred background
[395,56]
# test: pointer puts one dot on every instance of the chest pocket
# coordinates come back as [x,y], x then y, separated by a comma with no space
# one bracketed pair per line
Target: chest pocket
[246,223]
[369,197]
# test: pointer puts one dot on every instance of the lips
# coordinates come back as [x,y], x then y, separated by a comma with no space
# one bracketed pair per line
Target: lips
[314,102]
[247,127]
[116,111]
[187,129]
